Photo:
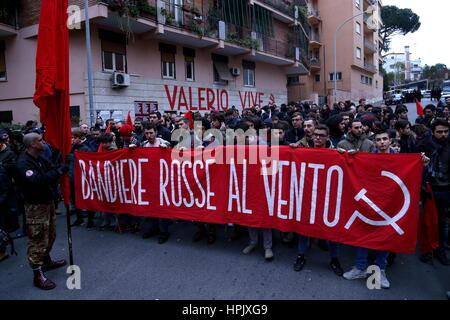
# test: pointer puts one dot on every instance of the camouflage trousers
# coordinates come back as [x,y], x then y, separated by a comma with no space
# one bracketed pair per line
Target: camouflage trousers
[41,232]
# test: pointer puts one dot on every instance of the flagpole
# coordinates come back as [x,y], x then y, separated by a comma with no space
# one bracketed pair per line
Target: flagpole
[89,63]
[69,235]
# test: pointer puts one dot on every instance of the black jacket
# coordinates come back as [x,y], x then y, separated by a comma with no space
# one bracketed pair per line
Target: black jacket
[38,179]
[294,135]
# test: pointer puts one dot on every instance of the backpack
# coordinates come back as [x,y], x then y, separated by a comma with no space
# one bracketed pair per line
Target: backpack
[6,239]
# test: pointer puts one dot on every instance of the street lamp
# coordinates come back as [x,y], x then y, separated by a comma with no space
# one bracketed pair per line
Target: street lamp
[369,10]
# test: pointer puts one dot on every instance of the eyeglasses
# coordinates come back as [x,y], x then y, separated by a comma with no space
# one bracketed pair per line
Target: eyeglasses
[315,135]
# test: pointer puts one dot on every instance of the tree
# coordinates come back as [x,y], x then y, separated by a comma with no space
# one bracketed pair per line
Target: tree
[437,72]
[397,21]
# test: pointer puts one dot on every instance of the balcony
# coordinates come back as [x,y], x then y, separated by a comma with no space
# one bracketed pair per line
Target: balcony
[285,7]
[314,64]
[367,3]
[314,41]
[370,25]
[258,47]
[8,20]
[370,67]
[314,17]
[369,46]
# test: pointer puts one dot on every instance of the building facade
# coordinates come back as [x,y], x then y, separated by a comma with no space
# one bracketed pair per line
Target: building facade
[403,63]
[171,55]
[358,59]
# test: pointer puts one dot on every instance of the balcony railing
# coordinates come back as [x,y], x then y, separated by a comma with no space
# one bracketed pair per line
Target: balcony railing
[275,47]
[286,7]
[314,12]
[370,45]
[240,36]
[246,38]
[370,67]
[314,62]
[206,23]
[314,37]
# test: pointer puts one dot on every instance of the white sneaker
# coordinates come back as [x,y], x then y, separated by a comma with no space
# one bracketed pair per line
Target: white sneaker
[355,273]
[385,284]
[249,248]
[268,254]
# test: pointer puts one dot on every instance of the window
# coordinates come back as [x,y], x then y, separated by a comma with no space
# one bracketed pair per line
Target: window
[2,61]
[317,77]
[6,116]
[358,3]
[370,81]
[249,77]
[366,80]
[358,28]
[189,55]
[114,48]
[338,76]
[167,60]
[114,62]
[249,73]
[168,65]
[293,80]
[189,69]
[362,79]
[220,68]
[376,84]
[358,53]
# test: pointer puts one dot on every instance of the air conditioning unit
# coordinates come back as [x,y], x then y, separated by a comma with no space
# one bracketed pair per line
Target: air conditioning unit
[235,71]
[120,79]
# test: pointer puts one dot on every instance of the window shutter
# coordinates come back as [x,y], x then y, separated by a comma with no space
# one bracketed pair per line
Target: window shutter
[167,57]
[114,47]
[167,48]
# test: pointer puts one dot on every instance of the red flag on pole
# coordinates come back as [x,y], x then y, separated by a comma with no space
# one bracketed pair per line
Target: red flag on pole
[188,115]
[419,108]
[52,79]
[129,121]
[428,235]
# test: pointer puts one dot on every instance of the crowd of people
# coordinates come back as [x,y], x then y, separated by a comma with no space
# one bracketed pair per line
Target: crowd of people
[30,169]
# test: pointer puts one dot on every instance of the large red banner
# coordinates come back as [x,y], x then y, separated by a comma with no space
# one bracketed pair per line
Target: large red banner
[368,200]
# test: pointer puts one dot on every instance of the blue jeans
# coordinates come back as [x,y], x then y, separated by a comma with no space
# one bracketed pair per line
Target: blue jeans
[361,258]
[442,199]
[303,243]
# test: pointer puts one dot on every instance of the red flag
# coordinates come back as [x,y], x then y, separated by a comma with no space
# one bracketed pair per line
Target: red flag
[428,225]
[129,121]
[419,108]
[52,79]
[188,115]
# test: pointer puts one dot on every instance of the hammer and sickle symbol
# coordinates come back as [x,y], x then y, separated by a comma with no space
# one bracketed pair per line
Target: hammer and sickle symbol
[392,221]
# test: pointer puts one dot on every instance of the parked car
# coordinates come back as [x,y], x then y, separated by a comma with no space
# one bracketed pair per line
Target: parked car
[397,98]
[426,94]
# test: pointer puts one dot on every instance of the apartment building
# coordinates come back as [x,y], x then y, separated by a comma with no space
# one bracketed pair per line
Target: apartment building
[171,55]
[401,62]
[358,74]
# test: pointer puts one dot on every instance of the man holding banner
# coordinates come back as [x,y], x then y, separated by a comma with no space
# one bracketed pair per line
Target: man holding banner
[321,139]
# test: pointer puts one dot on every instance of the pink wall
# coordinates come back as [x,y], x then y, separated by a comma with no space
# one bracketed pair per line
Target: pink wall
[143,58]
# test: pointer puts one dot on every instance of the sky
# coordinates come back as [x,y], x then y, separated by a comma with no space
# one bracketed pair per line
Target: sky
[431,42]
